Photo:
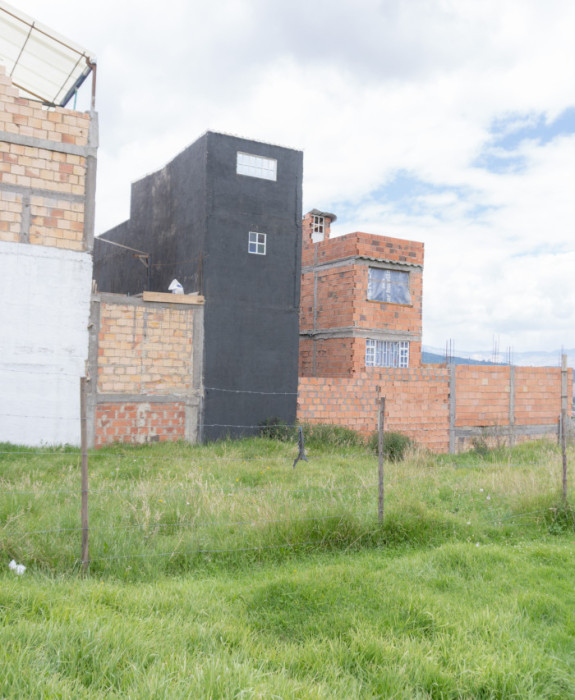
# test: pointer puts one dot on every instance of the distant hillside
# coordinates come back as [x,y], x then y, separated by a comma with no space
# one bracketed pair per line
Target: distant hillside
[537,358]
[434,359]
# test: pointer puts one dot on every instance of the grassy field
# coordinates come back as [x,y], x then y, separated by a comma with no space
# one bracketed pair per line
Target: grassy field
[221,572]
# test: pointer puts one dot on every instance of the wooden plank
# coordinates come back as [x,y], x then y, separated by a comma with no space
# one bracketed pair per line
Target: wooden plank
[169,298]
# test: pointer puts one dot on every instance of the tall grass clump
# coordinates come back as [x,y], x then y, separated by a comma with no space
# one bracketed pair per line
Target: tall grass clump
[395,445]
[329,437]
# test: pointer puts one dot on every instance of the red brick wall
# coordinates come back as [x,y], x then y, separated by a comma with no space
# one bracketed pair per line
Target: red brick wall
[538,394]
[139,422]
[357,243]
[482,395]
[417,403]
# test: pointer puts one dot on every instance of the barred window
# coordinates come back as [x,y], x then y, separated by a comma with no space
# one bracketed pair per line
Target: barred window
[386,353]
[391,286]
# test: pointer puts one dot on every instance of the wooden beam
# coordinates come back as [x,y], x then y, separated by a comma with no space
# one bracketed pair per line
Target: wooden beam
[168,298]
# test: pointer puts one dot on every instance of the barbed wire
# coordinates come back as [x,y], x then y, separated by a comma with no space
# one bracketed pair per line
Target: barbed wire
[185,523]
[208,551]
[204,488]
[39,369]
[241,523]
[246,391]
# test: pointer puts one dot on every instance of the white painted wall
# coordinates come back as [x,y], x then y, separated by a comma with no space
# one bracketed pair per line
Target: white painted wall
[44,314]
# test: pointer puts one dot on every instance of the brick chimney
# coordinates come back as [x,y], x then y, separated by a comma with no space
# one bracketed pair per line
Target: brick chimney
[316,226]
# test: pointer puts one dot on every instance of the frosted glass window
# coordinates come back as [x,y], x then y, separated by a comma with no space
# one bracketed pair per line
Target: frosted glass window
[391,286]
[256,166]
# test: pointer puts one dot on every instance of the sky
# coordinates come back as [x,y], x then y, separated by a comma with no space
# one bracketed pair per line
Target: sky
[450,122]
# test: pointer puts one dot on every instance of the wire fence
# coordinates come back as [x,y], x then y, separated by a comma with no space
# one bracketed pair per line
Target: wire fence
[185,511]
[200,508]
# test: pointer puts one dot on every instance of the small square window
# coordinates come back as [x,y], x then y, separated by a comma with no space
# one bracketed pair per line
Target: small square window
[257,243]
[256,166]
[391,286]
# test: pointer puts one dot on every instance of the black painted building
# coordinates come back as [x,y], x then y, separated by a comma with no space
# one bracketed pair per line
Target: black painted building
[224,218]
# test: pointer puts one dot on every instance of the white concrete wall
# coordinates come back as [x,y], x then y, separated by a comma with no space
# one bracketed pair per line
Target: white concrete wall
[44,315]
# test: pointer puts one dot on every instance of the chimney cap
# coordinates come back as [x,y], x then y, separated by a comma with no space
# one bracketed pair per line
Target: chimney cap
[326,214]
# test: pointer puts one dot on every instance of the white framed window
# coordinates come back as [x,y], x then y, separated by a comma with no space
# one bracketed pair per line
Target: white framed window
[391,286]
[386,353]
[257,243]
[318,229]
[256,166]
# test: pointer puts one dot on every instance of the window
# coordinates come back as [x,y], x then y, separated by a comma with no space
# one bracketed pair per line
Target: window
[256,166]
[257,243]
[391,286]
[318,228]
[386,353]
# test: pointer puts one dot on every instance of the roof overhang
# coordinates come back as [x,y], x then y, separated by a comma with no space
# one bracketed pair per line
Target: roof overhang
[326,214]
[40,62]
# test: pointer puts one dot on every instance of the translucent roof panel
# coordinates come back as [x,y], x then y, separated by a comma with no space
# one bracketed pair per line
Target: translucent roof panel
[39,61]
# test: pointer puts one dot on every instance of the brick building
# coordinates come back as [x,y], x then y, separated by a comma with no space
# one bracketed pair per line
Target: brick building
[360,341]
[361,301]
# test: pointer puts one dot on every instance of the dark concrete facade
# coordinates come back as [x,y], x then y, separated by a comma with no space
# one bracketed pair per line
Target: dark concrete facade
[193,218]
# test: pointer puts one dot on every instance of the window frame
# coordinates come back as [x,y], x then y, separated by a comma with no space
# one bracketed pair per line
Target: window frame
[258,241]
[252,165]
[390,353]
[390,284]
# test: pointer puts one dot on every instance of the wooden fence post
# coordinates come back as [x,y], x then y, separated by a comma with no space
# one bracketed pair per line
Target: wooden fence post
[84,443]
[564,423]
[380,429]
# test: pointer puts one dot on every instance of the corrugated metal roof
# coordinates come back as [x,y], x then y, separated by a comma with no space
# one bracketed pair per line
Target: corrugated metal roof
[39,61]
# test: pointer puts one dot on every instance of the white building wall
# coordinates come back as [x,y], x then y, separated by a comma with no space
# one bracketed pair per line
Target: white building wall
[44,315]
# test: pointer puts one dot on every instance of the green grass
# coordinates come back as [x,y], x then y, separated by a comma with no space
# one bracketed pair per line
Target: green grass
[221,572]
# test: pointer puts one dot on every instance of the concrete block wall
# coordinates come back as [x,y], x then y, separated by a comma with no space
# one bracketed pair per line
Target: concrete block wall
[146,360]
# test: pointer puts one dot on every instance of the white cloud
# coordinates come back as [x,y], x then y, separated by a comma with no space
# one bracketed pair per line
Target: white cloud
[368,90]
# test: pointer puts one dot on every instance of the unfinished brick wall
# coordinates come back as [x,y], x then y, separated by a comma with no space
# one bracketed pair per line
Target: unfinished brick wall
[482,395]
[144,349]
[442,408]
[147,364]
[417,403]
[43,166]
[509,404]
[336,316]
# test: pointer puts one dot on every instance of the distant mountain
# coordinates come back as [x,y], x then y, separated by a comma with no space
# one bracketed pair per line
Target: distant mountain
[434,358]
[537,358]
